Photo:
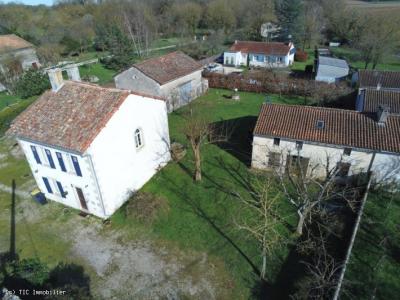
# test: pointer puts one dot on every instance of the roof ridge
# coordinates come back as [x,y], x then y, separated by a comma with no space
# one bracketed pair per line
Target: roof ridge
[313,107]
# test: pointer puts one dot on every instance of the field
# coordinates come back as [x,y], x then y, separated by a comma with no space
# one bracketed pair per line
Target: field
[197,236]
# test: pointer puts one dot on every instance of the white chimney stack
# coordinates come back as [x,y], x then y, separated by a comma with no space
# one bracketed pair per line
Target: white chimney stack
[73,72]
[56,79]
[382,114]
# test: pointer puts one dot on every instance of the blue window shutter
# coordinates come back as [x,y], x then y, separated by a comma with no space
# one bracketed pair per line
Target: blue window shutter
[50,158]
[36,155]
[61,161]
[60,188]
[47,184]
[76,165]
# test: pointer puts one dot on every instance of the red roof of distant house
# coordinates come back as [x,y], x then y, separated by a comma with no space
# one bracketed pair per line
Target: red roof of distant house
[70,118]
[11,42]
[386,79]
[374,98]
[341,127]
[272,48]
[168,67]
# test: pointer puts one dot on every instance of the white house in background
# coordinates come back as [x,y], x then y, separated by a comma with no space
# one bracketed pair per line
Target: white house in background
[260,54]
[175,77]
[331,70]
[16,50]
[91,147]
[354,142]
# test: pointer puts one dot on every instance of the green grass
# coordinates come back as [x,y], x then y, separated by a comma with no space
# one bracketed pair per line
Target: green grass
[202,214]
[7,100]
[300,65]
[390,63]
[105,75]
[9,113]
[167,42]
[375,262]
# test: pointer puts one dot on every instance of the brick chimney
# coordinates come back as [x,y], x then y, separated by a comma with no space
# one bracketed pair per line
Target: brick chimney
[382,114]
[56,79]
[73,72]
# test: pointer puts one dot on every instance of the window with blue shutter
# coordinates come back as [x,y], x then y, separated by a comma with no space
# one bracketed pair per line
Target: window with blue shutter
[76,165]
[61,161]
[35,155]
[60,189]
[47,184]
[50,158]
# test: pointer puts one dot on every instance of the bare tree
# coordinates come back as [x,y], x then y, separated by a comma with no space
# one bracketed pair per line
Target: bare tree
[261,219]
[10,71]
[306,191]
[199,131]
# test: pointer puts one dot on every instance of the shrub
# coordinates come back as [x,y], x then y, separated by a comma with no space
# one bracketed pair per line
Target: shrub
[32,270]
[300,56]
[146,207]
[32,83]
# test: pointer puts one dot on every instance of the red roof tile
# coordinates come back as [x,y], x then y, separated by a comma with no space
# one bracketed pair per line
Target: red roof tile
[371,79]
[272,48]
[341,127]
[70,118]
[168,67]
[374,98]
[11,42]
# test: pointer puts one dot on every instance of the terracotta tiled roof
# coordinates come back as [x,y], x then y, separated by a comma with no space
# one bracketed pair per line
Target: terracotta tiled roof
[341,127]
[371,78]
[168,67]
[374,98]
[273,48]
[11,42]
[70,118]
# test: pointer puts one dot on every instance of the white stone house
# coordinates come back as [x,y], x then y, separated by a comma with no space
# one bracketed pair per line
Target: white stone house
[91,147]
[175,76]
[16,49]
[318,137]
[260,54]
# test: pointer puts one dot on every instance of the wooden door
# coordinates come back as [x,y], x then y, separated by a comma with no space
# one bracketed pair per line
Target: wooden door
[81,197]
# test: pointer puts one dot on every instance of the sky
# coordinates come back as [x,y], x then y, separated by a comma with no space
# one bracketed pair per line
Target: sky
[30,2]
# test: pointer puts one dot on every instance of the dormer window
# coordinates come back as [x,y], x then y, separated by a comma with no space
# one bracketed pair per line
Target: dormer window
[320,124]
[138,138]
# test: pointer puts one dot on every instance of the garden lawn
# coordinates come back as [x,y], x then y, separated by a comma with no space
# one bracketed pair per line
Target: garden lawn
[202,215]
[301,65]
[7,100]
[353,57]
[105,75]
[374,268]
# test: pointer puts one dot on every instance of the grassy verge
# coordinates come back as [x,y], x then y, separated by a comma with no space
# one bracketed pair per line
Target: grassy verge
[105,75]
[374,268]
[7,100]
[301,65]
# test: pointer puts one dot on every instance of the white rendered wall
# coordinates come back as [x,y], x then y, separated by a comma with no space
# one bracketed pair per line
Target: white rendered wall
[69,179]
[121,169]
[384,166]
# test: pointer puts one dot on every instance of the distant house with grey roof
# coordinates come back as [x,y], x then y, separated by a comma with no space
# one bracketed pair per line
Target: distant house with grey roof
[91,147]
[14,49]
[331,70]
[175,77]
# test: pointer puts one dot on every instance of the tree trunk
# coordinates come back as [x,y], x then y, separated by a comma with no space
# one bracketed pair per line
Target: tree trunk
[264,266]
[197,160]
[300,224]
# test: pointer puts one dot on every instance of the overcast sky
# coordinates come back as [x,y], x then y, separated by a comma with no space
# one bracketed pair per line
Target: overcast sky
[30,2]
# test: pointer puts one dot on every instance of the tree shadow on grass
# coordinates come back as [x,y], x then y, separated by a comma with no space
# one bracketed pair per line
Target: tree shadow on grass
[239,137]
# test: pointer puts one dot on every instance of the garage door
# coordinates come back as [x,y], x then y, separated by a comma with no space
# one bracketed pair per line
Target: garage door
[185,91]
